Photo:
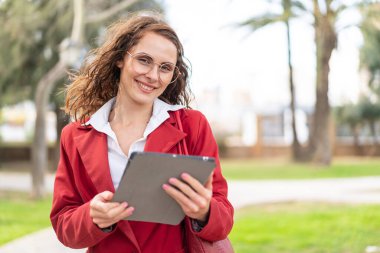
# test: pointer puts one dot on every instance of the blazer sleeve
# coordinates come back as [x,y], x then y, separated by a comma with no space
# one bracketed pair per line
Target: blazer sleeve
[201,141]
[70,214]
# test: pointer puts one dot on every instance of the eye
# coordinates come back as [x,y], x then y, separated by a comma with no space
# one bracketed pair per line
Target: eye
[167,67]
[144,60]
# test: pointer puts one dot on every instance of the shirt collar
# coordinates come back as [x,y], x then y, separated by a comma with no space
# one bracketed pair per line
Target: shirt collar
[99,119]
[159,115]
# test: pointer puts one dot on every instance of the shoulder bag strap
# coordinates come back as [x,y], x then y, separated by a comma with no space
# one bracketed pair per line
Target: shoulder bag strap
[182,145]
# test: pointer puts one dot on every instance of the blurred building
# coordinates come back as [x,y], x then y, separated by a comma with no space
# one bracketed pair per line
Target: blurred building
[242,130]
[17,123]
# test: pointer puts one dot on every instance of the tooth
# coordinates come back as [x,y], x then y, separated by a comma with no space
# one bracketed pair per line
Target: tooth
[145,87]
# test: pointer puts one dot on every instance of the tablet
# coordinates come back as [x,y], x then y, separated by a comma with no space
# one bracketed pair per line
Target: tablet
[144,175]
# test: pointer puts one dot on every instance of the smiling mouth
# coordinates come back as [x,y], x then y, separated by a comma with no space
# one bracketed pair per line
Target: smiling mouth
[145,87]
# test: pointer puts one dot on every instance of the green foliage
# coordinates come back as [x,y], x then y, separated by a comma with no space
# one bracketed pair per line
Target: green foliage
[283,169]
[369,111]
[357,116]
[306,228]
[20,216]
[290,9]
[349,114]
[30,36]
[370,51]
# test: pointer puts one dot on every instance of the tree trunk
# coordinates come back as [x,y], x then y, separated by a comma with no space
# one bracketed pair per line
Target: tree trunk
[46,85]
[39,147]
[355,132]
[296,154]
[326,39]
[62,120]
[372,126]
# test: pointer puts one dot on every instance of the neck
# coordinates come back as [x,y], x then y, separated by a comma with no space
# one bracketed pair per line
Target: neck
[126,113]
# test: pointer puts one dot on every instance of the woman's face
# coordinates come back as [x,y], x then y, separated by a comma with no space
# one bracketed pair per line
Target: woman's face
[145,70]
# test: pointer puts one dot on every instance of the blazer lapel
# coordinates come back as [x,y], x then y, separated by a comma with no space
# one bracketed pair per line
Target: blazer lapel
[92,148]
[165,137]
[93,151]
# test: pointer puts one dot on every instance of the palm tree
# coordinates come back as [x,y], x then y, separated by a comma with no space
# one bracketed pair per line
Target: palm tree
[325,14]
[270,18]
[326,41]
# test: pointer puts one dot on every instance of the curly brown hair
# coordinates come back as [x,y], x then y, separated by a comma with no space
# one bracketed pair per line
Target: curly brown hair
[98,80]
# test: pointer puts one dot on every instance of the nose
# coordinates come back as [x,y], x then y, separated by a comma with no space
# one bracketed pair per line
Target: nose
[153,74]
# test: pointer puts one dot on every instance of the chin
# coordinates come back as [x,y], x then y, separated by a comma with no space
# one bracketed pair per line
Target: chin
[144,100]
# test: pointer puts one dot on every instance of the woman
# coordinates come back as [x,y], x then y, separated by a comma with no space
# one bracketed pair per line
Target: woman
[125,100]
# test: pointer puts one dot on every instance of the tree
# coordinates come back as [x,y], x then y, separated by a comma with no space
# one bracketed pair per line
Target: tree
[370,51]
[325,14]
[325,41]
[46,84]
[31,31]
[370,60]
[367,110]
[350,114]
[270,18]
[32,27]
[370,113]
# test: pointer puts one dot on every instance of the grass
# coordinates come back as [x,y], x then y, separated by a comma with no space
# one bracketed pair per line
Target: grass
[286,228]
[20,216]
[306,228]
[284,169]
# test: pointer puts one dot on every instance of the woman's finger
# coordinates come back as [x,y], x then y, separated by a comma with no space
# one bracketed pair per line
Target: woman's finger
[196,185]
[101,202]
[105,222]
[103,207]
[125,213]
[185,203]
[189,192]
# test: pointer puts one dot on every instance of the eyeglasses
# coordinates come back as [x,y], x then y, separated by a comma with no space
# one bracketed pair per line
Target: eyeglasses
[144,63]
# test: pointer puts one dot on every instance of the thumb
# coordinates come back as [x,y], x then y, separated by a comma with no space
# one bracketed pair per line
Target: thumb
[106,195]
[208,184]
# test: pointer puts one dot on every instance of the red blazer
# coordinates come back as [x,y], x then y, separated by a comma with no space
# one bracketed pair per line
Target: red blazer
[83,172]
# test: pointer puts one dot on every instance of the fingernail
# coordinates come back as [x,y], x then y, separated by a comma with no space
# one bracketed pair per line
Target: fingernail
[165,186]
[185,175]
[172,180]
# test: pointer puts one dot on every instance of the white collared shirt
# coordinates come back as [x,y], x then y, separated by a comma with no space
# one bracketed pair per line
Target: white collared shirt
[116,158]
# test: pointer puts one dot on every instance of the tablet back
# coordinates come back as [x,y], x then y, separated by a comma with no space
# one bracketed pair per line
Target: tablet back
[141,184]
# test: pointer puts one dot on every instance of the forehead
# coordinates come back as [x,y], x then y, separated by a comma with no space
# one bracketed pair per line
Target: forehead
[159,47]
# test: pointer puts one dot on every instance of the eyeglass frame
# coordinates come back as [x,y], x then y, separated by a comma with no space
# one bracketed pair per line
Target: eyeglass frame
[175,68]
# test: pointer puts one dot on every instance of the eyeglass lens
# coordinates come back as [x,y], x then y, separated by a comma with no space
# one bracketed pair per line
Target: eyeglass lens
[143,63]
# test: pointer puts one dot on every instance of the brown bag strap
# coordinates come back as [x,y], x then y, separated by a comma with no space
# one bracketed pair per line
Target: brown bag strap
[195,244]
[182,148]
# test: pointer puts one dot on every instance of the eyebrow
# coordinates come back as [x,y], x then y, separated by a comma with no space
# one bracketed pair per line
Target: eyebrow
[153,58]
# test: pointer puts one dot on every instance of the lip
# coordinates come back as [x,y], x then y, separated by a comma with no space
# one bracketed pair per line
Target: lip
[144,87]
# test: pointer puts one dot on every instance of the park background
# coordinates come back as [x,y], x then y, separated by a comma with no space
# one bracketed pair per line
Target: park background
[242,79]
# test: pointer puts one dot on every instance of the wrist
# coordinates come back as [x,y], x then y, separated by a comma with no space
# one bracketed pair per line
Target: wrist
[197,225]
[204,218]
[108,229]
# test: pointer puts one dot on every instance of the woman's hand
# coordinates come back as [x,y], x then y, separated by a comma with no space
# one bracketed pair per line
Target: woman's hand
[191,195]
[105,213]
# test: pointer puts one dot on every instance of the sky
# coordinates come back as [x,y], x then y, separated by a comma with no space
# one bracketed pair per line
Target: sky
[233,58]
